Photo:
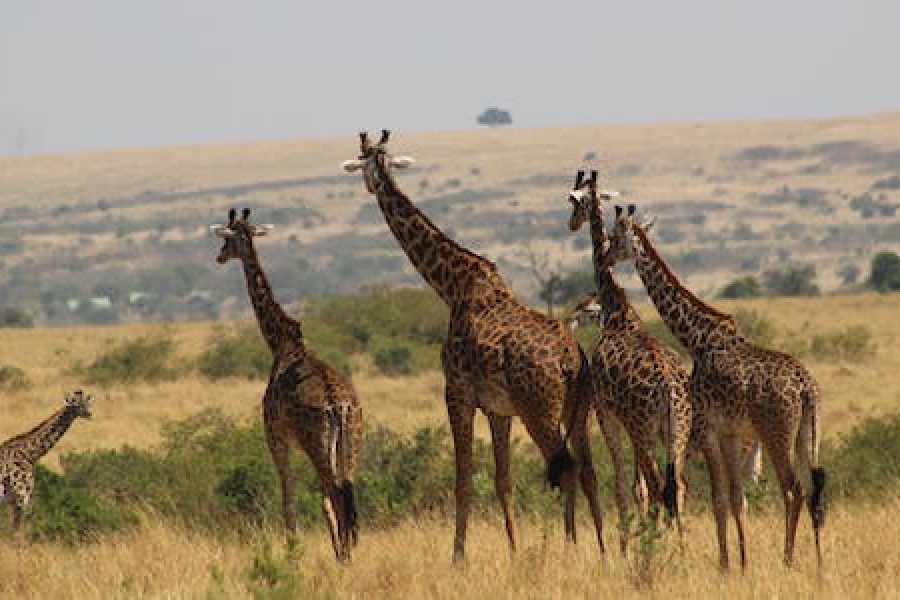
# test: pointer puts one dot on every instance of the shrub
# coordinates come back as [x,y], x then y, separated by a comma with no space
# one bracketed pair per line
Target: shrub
[757,327]
[13,317]
[853,343]
[744,287]
[862,463]
[69,513]
[13,378]
[792,280]
[394,358]
[242,354]
[885,272]
[144,359]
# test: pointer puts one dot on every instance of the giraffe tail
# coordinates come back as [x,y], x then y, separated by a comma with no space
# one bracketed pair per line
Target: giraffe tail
[563,460]
[351,517]
[670,487]
[808,450]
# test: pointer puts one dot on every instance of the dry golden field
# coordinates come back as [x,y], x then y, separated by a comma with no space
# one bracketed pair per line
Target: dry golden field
[412,559]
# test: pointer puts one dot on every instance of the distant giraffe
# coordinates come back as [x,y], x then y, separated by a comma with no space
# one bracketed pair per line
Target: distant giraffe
[307,403]
[641,383]
[739,386]
[20,454]
[499,356]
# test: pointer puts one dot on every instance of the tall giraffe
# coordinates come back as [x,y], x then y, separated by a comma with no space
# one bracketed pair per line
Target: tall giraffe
[500,356]
[737,385]
[307,403]
[641,383]
[19,455]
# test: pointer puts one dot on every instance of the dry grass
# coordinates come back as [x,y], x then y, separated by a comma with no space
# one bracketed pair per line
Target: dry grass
[412,560]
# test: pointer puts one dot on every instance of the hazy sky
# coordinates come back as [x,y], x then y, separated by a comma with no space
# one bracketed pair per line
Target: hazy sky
[87,74]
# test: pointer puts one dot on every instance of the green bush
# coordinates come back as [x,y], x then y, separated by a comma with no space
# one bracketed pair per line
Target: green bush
[885,272]
[863,463]
[792,280]
[853,343]
[13,317]
[13,378]
[242,354]
[394,358]
[144,359]
[744,287]
[401,328]
[758,328]
[62,511]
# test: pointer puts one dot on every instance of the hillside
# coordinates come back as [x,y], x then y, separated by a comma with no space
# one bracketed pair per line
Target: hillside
[115,236]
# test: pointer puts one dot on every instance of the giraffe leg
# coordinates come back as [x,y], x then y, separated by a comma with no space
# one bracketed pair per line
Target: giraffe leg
[332,508]
[732,446]
[612,435]
[791,491]
[645,462]
[550,442]
[715,464]
[500,427]
[280,451]
[462,421]
[581,442]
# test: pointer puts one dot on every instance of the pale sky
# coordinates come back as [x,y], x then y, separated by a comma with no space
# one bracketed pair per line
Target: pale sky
[89,74]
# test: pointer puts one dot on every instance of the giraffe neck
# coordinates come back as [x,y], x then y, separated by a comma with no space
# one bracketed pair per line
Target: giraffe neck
[274,323]
[37,442]
[696,324]
[616,309]
[450,269]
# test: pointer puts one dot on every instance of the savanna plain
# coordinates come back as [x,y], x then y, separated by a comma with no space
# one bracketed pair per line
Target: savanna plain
[159,556]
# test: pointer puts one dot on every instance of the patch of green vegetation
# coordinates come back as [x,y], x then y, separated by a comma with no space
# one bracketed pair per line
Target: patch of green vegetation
[13,378]
[145,359]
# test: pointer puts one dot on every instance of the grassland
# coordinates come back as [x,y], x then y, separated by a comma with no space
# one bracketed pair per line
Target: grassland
[411,559]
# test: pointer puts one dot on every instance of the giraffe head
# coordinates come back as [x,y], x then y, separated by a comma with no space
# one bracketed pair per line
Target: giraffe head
[374,160]
[585,311]
[623,241]
[582,194]
[238,236]
[80,403]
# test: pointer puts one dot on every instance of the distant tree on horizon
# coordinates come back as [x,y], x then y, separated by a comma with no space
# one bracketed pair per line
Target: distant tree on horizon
[493,117]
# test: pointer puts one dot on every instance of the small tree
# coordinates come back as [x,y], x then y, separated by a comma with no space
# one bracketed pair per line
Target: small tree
[792,280]
[13,317]
[744,287]
[885,273]
[494,116]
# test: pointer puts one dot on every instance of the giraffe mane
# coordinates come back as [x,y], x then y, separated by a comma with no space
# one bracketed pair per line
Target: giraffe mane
[456,245]
[650,249]
[31,431]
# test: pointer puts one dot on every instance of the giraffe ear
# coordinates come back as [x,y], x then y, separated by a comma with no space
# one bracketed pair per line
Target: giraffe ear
[222,231]
[607,194]
[402,162]
[353,165]
[260,230]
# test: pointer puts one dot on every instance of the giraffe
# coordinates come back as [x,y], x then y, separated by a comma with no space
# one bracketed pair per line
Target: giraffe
[307,403]
[588,310]
[739,386]
[500,356]
[641,382]
[19,455]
